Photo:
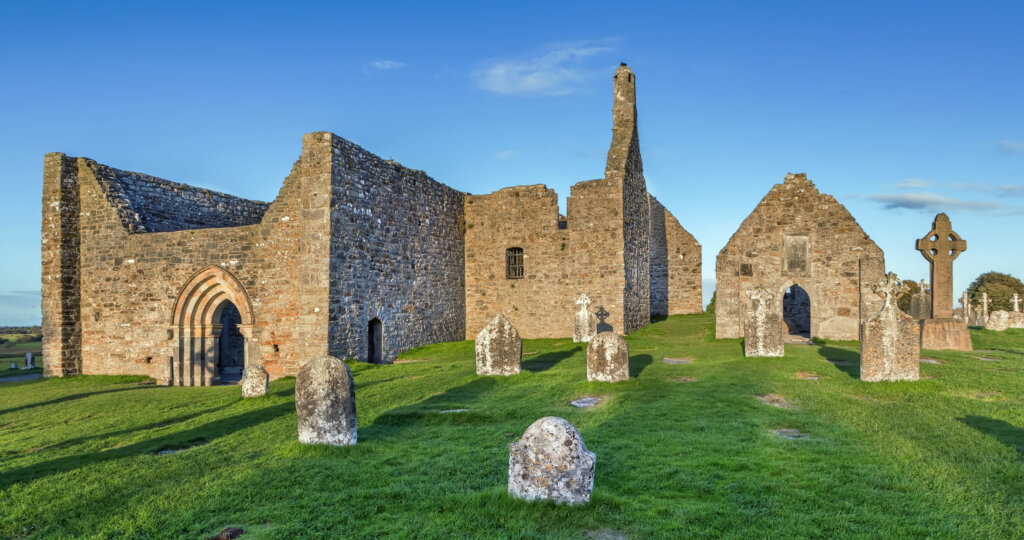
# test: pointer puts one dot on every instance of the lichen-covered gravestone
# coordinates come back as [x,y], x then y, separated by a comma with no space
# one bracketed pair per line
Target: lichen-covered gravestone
[254,381]
[890,339]
[499,349]
[325,402]
[584,323]
[1000,320]
[762,329]
[608,358]
[551,462]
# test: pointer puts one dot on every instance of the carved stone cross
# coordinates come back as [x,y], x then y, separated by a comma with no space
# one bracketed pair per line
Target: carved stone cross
[984,305]
[1016,302]
[966,301]
[890,289]
[940,247]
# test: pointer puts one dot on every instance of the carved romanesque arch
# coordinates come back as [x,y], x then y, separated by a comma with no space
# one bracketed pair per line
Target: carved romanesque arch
[195,325]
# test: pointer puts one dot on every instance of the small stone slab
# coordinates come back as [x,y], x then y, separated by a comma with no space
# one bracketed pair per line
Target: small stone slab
[499,349]
[790,433]
[448,411]
[586,401]
[255,381]
[931,361]
[676,360]
[550,462]
[775,400]
[807,375]
[607,358]
[325,402]
[987,359]
[684,379]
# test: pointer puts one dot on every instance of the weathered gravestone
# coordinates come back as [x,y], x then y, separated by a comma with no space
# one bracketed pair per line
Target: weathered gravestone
[30,361]
[762,329]
[608,358]
[551,463]
[890,339]
[1016,303]
[921,303]
[1001,320]
[499,349]
[940,247]
[965,301]
[255,380]
[584,323]
[325,402]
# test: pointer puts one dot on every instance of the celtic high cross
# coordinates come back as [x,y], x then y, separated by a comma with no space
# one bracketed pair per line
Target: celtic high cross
[940,247]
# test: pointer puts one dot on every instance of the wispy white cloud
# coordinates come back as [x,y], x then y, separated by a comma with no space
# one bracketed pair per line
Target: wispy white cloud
[1004,190]
[386,65]
[506,154]
[560,69]
[1010,147]
[913,183]
[934,202]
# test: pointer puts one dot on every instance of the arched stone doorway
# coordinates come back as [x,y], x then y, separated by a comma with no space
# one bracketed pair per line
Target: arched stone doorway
[211,300]
[796,311]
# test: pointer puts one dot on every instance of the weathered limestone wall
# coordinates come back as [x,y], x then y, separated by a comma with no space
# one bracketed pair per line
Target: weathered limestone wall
[676,284]
[540,304]
[625,167]
[797,235]
[61,301]
[397,254]
[130,281]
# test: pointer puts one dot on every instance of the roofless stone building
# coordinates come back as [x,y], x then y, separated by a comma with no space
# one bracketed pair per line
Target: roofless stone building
[357,257]
[808,249]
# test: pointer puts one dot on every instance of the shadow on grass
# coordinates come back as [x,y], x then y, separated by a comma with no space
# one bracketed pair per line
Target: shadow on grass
[1004,432]
[547,361]
[177,440]
[71,397]
[638,363]
[428,411]
[844,360]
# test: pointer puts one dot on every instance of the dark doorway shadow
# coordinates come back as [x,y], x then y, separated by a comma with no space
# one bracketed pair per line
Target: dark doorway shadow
[1004,432]
[844,360]
[547,361]
[638,363]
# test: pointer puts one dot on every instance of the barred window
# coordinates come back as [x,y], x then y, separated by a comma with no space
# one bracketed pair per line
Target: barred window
[514,263]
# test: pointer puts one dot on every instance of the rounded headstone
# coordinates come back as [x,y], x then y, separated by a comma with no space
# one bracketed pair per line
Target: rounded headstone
[550,462]
[998,321]
[499,349]
[325,402]
[608,358]
[255,380]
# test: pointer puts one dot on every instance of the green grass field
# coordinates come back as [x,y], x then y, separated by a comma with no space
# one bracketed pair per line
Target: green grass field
[941,457]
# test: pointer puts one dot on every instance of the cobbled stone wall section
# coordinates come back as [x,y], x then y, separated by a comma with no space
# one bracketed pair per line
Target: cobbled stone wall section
[397,255]
[676,283]
[797,235]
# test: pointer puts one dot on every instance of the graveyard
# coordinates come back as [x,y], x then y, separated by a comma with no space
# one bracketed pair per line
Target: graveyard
[700,440]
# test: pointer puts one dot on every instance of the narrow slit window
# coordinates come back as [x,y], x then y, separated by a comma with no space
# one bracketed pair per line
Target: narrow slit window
[514,263]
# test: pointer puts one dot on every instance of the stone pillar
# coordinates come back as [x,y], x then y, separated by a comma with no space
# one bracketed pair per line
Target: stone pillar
[984,306]
[1016,303]
[251,349]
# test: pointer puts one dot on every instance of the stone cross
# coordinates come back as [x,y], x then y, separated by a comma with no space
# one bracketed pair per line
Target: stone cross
[940,247]
[966,301]
[923,286]
[1016,303]
[984,305]
[890,289]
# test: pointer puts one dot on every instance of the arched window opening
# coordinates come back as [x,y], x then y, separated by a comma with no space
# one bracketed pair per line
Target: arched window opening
[514,263]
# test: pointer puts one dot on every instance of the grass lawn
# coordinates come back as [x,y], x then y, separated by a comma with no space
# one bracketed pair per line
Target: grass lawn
[17,350]
[938,457]
[6,371]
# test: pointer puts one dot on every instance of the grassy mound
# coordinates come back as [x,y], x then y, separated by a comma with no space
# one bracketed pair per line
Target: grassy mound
[701,448]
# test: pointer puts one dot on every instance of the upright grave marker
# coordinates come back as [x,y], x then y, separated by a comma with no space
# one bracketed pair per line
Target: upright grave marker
[940,247]
[762,329]
[890,346]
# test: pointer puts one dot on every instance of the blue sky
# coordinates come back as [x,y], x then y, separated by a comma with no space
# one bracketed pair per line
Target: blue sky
[899,109]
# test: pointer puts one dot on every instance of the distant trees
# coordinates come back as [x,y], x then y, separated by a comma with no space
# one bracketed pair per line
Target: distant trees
[904,301]
[711,304]
[1000,288]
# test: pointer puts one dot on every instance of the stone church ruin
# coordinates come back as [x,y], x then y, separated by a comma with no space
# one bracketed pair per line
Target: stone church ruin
[810,252]
[357,257]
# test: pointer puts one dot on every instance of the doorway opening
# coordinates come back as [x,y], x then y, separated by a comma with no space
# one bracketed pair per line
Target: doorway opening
[796,311]
[375,342]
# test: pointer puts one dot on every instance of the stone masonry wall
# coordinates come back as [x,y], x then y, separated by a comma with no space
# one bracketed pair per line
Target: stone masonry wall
[676,282]
[540,304]
[61,300]
[130,281]
[397,254]
[797,235]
